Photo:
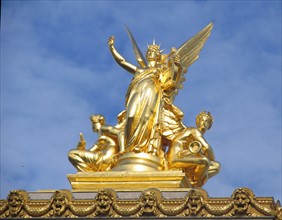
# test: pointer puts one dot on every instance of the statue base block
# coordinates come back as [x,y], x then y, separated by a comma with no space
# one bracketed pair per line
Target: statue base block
[128,180]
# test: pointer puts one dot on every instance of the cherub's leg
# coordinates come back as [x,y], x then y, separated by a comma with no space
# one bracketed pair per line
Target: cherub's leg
[194,165]
[201,172]
[213,168]
[173,153]
[84,161]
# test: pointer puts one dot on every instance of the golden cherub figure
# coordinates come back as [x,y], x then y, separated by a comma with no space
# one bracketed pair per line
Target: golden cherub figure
[190,152]
[100,156]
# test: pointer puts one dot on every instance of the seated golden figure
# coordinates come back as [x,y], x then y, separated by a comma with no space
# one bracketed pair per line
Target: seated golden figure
[100,156]
[191,152]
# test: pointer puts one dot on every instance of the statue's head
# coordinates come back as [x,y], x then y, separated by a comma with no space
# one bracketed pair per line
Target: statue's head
[104,201]
[148,201]
[204,121]
[59,203]
[242,198]
[97,122]
[194,202]
[16,200]
[153,53]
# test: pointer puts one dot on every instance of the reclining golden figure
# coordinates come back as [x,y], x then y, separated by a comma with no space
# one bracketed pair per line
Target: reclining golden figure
[100,156]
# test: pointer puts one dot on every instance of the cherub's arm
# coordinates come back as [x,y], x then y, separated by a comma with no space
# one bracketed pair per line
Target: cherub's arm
[206,148]
[109,130]
[119,59]
[95,148]
[82,143]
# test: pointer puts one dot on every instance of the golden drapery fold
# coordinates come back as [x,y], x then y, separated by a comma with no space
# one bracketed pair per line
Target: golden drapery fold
[143,112]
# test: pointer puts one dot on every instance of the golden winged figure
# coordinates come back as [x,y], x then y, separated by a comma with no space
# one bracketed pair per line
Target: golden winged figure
[188,52]
[152,90]
[150,130]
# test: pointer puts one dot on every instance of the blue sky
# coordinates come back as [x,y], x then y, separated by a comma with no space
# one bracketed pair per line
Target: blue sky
[56,70]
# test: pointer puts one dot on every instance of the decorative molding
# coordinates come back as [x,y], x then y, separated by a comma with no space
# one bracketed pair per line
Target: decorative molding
[150,203]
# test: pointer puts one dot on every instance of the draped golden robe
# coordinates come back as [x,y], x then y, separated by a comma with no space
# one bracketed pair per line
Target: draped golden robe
[143,112]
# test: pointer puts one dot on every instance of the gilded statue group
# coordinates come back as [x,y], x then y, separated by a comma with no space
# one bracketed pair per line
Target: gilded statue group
[149,134]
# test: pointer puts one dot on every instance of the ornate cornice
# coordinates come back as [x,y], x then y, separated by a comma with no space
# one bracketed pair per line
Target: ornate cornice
[151,202]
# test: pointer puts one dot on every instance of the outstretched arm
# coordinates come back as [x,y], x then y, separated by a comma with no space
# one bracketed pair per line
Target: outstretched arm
[119,59]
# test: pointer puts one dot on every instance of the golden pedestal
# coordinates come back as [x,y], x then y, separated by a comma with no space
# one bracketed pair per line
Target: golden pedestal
[122,180]
[138,162]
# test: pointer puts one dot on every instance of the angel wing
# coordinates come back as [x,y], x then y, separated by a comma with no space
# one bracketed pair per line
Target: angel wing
[189,51]
[138,54]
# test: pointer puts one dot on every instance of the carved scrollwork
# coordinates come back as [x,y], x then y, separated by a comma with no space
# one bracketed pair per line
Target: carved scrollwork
[37,212]
[15,204]
[3,207]
[82,211]
[194,203]
[244,200]
[59,203]
[150,203]
[126,211]
[171,210]
[104,201]
[279,213]
[218,211]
